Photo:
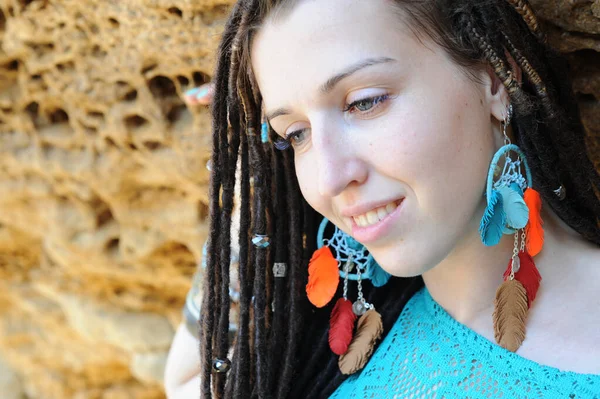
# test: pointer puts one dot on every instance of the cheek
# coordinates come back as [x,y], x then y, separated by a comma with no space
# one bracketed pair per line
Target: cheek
[441,153]
[306,175]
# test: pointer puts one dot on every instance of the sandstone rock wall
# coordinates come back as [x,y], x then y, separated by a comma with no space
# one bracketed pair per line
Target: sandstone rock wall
[103,197]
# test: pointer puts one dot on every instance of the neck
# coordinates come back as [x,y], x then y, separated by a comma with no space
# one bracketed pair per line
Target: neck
[465,282]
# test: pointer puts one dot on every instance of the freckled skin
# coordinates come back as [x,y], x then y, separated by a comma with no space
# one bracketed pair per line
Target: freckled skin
[431,142]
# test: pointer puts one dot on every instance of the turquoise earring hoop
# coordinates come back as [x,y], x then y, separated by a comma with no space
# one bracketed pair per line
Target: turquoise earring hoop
[348,250]
[506,211]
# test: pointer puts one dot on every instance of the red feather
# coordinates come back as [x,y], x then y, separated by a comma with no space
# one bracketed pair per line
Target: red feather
[341,326]
[528,275]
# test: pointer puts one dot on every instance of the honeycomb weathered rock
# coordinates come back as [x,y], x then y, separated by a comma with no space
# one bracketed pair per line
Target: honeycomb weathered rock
[103,199]
[103,185]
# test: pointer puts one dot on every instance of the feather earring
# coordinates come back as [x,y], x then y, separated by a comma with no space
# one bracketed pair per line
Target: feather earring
[534,229]
[323,278]
[353,348]
[341,323]
[368,331]
[521,205]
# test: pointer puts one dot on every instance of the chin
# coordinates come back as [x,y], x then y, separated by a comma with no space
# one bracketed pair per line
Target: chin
[399,265]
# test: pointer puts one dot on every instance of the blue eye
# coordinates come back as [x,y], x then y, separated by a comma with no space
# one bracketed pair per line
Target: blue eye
[366,105]
[291,139]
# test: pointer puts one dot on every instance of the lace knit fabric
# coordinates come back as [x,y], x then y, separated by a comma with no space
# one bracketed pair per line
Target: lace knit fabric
[427,354]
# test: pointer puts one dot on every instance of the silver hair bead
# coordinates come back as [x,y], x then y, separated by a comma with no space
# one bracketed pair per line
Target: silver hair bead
[279,269]
[561,193]
[221,365]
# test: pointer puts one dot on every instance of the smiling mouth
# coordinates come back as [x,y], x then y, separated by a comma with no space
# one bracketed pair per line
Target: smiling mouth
[376,215]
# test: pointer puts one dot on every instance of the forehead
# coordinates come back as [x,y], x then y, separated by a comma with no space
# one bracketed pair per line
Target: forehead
[298,51]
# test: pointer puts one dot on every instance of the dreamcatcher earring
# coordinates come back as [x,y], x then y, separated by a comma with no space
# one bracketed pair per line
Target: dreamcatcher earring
[513,207]
[351,262]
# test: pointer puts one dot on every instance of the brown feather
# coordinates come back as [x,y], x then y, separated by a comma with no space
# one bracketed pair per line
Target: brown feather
[510,312]
[368,331]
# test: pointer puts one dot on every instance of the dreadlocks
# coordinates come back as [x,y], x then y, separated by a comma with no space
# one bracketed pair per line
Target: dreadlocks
[281,345]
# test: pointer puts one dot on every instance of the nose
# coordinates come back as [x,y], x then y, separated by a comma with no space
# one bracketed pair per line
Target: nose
[339,163]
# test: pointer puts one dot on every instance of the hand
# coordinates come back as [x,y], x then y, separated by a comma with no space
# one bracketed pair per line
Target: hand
[201,95]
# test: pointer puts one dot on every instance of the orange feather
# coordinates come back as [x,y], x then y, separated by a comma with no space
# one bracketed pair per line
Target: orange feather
[534,229]
[323,277]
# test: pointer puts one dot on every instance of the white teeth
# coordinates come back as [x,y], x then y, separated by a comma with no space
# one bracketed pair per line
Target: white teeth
[391,207]
[372,217]
[375,215]
[362,220]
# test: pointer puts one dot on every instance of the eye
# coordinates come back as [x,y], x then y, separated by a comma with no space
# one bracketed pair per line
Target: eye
[366,105]
[293,139]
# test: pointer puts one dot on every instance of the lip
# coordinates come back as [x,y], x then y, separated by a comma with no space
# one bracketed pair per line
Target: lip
[374,232]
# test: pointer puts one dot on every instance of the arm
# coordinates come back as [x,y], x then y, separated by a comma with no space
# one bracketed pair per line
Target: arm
[182,380]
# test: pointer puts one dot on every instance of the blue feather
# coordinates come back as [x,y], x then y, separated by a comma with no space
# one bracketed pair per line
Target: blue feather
[378,276]
[517,188]
[517,213]
[492,222]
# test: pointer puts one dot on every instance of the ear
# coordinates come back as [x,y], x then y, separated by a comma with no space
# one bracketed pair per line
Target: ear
[496,93]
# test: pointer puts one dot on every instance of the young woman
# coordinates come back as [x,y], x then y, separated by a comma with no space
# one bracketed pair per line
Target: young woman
[429,132]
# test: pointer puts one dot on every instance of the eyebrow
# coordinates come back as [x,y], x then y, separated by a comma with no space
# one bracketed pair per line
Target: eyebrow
[330,84]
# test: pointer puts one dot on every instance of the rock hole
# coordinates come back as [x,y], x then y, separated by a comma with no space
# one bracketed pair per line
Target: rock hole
[58,116]
[202,211]
[183,81]
[96,115]
[66,67]
[148,67]
[104,215]
[113,23]
[12,65]
[42,48]
[25,3]
[135,122]
[130,95]
[162,87]
[152,145]
[112,245]
[33,110]
[98,52]
[2,20]
[132,146]
[110,142]
[175,11]
[200,78]
[175,112]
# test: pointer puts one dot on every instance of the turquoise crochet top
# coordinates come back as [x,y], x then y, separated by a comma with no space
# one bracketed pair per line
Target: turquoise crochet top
[427,354]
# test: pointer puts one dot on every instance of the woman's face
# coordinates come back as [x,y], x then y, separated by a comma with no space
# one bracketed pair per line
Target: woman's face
[392,140]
